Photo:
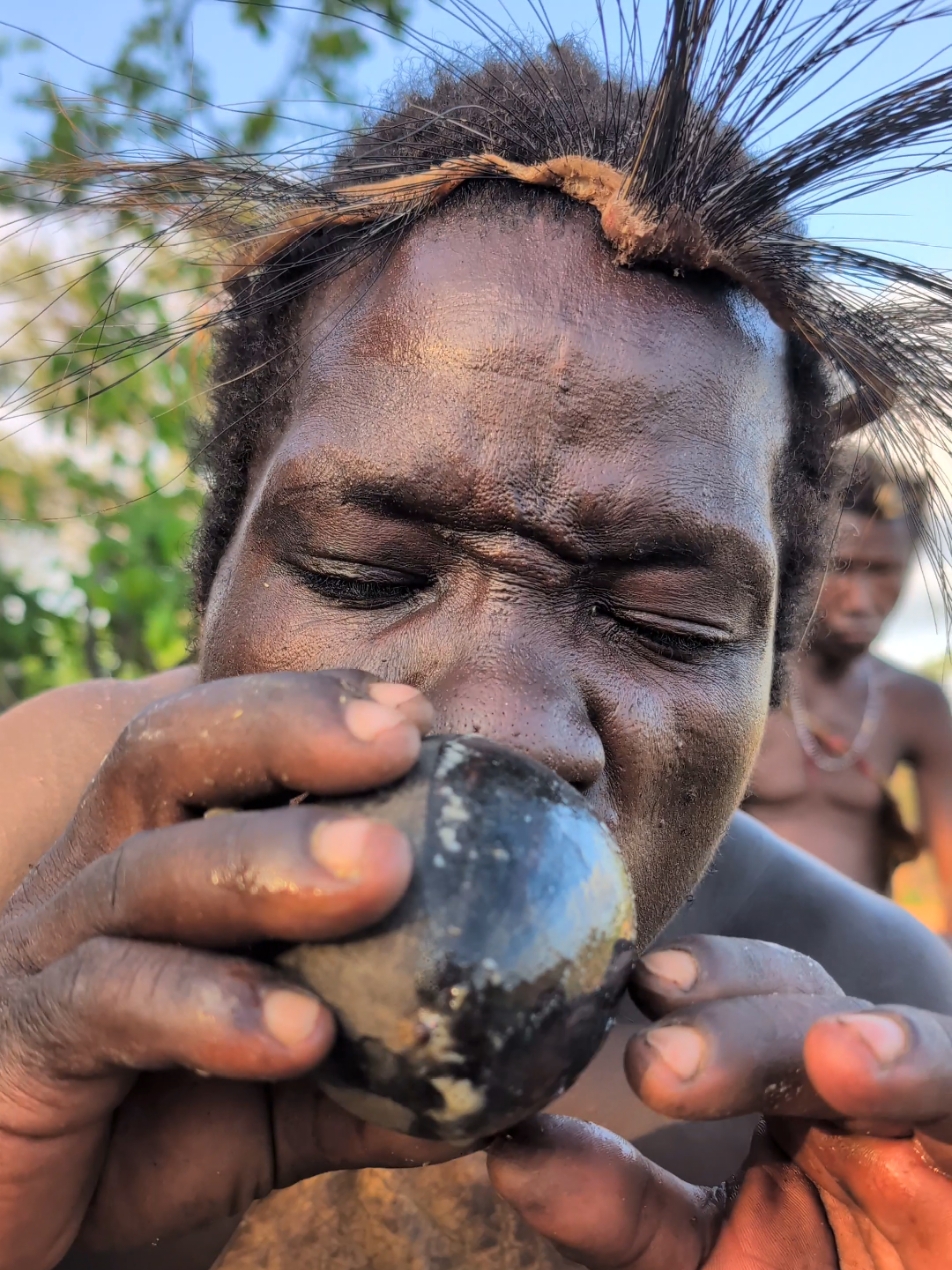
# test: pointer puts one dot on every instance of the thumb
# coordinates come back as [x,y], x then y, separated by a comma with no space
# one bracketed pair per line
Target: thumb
[599,1200]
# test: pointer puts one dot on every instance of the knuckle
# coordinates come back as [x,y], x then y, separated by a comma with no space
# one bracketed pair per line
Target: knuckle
[56,1022]
[35,1021]
[259,855]
[27,1068]
[335,687]
[76,978]
[152,979]
[105,980]
[759,962]
[128,771]
[110,887]
[801,973]
[237,866]
[138,778]
[17,954]
[139,739]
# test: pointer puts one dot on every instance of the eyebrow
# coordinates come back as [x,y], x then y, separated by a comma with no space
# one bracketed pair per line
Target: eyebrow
[673,536]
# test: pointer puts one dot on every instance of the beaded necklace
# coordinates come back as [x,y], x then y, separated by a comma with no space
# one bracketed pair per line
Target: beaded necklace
[811,746]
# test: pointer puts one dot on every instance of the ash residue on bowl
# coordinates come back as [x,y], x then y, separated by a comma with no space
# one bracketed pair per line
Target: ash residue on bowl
[491,986]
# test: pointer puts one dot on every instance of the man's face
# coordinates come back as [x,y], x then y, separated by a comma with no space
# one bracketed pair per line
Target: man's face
[537,487]
[869,562]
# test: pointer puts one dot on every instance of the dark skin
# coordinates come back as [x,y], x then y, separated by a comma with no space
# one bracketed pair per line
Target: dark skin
[535,488]
[834,814]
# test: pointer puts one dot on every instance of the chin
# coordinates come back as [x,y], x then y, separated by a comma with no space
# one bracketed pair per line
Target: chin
[834,644]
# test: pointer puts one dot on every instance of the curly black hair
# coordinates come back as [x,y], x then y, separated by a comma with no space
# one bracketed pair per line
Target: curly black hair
[256,345]
[671,151]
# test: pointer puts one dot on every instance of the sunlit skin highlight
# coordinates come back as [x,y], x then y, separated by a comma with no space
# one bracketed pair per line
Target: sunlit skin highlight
[561,471]
[538,489]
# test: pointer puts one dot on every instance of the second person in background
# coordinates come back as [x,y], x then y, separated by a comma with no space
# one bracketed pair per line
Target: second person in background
[850,718]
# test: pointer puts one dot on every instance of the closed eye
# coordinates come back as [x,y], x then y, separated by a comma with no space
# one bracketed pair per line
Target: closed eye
[352,587]
[673,638]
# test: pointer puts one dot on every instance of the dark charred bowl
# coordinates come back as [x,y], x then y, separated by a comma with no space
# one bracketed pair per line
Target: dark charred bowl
[492,985]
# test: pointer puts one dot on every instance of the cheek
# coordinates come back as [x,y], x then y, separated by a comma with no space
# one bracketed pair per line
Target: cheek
[679,741]
[260,622]
[834,595]
[887,593]
[681,751]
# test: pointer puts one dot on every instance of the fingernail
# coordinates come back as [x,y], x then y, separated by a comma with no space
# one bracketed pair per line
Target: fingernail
[290,1017]
[673,966]
[393,695]
[340,846]
[366,719]
[886,1038]
[681,1048]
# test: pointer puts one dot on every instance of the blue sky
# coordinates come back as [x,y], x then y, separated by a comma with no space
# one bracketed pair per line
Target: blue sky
[915,219]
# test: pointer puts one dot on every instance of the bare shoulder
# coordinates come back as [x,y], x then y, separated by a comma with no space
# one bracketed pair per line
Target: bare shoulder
[911,691]
[51,747]
[920,712]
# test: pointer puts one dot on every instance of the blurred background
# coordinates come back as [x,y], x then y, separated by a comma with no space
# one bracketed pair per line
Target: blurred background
[97,497]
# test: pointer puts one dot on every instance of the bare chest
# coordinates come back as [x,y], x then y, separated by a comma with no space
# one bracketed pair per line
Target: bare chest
[785,774]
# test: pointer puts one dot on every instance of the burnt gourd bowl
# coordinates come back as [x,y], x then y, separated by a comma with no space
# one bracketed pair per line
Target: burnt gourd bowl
[485,993]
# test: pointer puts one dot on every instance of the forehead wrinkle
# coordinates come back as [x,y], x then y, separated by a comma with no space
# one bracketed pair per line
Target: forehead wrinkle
[443,355]
[580,455]
[445,281]
[616,521]
[469,395]
[609,350]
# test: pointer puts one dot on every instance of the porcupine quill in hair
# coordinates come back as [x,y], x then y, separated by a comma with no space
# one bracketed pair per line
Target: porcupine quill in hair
[688,128]
[675,154]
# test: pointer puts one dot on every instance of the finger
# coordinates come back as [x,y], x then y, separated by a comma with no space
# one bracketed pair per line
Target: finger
[729,1058]
[404,698]
[234,742]
[184,1152]
[231,741]
[886,1202]
[295,873]
[599,1200]
[312,1134]
[890,1064]
[115,1004]
[711,967]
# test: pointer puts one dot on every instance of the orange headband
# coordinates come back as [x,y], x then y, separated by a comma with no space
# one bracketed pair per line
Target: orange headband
[632,230]
[635,232]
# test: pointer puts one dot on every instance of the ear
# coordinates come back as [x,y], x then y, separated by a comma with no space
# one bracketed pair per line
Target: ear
[860,408]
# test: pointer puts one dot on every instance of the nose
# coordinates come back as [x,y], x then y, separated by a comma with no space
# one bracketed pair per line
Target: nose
[536,709]
[859,600]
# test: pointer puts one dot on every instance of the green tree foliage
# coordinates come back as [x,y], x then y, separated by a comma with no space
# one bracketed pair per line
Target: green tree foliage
[96,493]
[939,669]
[157,84]
[97,499]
